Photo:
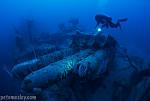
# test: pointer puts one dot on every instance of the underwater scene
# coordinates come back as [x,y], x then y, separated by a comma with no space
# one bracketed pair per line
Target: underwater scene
[74,50]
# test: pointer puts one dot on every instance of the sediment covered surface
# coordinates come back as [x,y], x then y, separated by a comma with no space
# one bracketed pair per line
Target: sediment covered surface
[93,68]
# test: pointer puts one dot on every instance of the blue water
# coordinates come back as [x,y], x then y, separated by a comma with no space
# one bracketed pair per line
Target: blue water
[49,13]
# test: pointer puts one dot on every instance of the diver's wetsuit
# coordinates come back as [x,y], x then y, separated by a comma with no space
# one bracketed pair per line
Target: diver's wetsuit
[107,21]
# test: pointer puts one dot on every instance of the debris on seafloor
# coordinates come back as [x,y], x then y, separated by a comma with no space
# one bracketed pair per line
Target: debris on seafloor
[92,65]
[23,69]
[53,72]
[37,52]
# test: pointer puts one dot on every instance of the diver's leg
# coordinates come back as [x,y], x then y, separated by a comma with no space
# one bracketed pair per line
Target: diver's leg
[115,25]
[112,25]
[104,25]
[118,25]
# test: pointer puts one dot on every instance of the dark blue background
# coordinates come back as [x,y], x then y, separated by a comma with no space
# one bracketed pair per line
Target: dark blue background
[49,13]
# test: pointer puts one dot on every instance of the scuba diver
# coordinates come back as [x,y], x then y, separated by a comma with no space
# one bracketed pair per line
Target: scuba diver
[106,21]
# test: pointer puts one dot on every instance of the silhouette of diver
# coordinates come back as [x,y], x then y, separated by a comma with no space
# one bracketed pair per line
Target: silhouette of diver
[106,21]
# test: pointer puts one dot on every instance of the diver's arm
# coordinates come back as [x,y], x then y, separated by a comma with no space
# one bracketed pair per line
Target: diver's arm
[97,25]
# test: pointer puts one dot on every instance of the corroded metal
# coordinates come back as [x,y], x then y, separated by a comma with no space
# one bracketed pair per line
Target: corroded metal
[92,65]
[53,72]
[23,69]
